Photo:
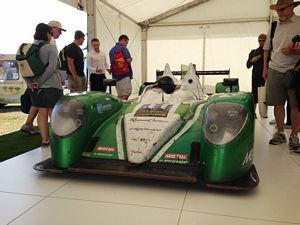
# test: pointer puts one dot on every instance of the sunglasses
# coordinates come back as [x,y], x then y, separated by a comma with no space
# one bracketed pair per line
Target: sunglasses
[261,40]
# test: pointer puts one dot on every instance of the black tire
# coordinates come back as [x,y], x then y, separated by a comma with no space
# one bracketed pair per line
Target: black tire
[2,105]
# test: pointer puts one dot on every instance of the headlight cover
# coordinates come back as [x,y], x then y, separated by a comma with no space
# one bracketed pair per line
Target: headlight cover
[67,117]
[224,121]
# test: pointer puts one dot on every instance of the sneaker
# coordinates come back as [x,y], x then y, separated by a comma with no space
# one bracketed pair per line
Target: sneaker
[29,129]
[278,139]
[297,151]
[272,122]
[294,143]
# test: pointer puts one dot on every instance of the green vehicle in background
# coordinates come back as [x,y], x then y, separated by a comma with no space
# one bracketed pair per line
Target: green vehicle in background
[173,131]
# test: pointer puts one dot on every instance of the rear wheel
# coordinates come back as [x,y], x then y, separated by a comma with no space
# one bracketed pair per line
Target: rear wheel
[2,105]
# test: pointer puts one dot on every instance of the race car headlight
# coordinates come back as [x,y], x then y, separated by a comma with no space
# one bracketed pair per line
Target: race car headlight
[67,117]
[224,122]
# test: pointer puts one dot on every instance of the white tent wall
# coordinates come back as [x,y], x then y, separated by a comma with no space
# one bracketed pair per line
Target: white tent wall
[109,26]
[231,30]
[226,47]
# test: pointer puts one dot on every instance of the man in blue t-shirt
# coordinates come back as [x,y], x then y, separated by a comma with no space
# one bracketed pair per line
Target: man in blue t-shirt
[120,60]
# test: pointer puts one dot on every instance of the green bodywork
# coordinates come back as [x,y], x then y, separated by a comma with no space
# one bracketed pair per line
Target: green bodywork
[220,88]
[232,160]
[68,149]
[97,138]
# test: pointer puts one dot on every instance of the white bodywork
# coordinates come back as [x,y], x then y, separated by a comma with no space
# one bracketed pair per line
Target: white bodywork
[145,135]
[153,121]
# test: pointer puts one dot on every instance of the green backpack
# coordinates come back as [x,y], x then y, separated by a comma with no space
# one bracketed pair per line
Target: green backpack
[30,64]
[63,63]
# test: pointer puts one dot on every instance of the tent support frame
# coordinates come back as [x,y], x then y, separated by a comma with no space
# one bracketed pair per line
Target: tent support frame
[154,22]
[172,12]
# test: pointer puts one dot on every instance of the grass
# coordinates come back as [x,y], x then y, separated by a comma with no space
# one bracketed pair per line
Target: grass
[17,143]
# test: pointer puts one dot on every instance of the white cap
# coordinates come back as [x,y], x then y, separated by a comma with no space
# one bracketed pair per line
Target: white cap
[54,23]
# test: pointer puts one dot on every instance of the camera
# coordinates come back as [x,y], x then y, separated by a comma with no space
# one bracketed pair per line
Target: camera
[295,39]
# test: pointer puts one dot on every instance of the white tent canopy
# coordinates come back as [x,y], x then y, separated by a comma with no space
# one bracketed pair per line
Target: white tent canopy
[213,34]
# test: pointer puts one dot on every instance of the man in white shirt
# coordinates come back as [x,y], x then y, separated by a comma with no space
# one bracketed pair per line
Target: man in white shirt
[97,65]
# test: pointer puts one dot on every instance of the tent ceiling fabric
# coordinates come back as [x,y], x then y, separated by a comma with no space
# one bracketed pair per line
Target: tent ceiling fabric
[156,12]
[141,10]
[138,10]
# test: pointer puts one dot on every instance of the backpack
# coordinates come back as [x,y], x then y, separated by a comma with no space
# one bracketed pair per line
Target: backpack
[273,28]
[62,57]
[120,66]
[30,64]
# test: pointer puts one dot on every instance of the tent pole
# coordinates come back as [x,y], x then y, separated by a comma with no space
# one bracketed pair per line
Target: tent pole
[271,13]
[144,54]
[172,12]
[91,26]
[210,22]
[91,21]
[203,53]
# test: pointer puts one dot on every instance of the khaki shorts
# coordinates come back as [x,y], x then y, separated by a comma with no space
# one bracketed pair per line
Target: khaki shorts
[124,87]
[277,94]
[78,85]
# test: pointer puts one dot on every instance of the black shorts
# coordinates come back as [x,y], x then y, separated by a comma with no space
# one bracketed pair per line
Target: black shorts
[97,82]
[45,97]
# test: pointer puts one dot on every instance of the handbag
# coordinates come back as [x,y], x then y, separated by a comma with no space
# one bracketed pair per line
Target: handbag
[26,101]
[262,94]
[262,106]
[290,77]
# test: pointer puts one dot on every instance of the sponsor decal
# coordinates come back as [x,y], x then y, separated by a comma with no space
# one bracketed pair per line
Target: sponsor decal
[248,158]
[153,110]
[176,156]
[153,120]
[105,149]
[174,161]
[101,107]
[107,107]
[103,154]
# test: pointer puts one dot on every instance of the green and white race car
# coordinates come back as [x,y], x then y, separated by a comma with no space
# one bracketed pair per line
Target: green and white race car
[173,131]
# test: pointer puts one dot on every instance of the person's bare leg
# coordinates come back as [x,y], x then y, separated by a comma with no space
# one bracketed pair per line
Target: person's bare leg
[32,115]
[43,124]
[295,118]
[279,113]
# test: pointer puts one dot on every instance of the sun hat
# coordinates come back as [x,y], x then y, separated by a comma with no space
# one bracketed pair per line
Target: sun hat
[283,3]
[54,23]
